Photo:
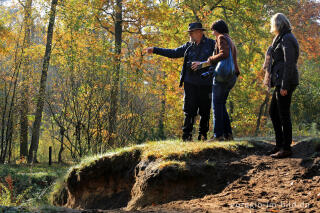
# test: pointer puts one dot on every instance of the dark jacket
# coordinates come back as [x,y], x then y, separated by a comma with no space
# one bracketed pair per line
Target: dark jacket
[191,52]
[285,53]
[222,51]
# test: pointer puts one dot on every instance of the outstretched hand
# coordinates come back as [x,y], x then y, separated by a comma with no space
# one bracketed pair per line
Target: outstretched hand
[149,50]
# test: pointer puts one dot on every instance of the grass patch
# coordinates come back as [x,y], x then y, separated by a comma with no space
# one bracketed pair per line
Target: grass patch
[166,149]
[34,182]
[179,164]
[89,161]
[162,149]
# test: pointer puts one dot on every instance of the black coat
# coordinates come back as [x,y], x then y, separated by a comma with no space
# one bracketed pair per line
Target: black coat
[191,52]
[285,53]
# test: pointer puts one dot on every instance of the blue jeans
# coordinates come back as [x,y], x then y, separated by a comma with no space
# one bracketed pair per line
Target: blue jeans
[221,120]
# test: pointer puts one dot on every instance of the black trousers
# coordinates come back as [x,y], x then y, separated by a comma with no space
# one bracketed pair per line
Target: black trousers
[280,116]
[197,100]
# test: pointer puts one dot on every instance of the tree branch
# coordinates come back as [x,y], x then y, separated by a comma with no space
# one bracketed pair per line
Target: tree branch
[103,26]
[22,4]
[215,5]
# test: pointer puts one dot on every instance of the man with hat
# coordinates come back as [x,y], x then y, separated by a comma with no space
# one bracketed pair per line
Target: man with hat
[197,91]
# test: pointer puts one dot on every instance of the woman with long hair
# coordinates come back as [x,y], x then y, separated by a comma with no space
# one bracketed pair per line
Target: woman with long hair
[285,78]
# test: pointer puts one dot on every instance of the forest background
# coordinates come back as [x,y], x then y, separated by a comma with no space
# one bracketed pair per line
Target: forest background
[100,91]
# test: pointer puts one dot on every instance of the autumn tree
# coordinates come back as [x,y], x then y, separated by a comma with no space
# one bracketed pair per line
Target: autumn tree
[26,62]
[32,157]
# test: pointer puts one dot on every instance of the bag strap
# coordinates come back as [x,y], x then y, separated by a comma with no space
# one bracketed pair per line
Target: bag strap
[207,64]
[229,43]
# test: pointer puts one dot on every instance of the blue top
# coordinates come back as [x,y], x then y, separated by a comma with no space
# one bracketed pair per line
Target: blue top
[191,52]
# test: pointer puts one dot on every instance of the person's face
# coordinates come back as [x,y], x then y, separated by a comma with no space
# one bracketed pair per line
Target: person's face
[274,31]
[215,33]
[195,35]
[273,28]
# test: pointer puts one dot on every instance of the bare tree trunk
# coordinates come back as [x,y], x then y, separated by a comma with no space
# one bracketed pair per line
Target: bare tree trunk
[261,112]
[89,149]
[266,110]
[8,139]
[161,120]
[9,131]
[162,111]
[78,137]
[116,74]
[32,157]
[3,122]
[10,148]
[24,105]
[62,130]
[98,138]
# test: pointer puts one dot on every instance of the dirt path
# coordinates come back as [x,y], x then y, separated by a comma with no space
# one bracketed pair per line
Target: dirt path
[272,185]
[260,184]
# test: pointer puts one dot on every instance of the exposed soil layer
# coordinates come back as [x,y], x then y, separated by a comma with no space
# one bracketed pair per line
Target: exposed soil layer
[213,180]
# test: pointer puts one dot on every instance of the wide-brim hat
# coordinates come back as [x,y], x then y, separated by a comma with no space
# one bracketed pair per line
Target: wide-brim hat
[195,26]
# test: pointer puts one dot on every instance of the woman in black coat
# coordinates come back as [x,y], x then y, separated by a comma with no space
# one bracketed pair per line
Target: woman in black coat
[285,78]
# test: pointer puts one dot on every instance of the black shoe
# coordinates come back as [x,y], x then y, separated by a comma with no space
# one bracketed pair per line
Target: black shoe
[202,137]
[282,154]
[187,137]
[273,151]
